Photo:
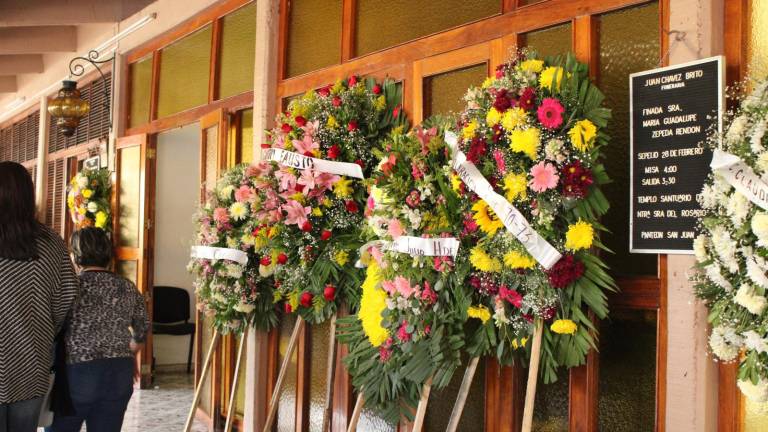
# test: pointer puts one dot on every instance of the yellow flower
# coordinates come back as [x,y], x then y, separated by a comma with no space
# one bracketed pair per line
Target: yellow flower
[513,118]
[516,186]
[381,103]
[87,193]
[81,210]
[327,202]
[517,260]
[534,66]
[563,326]
[483,262]
[488,81]
[583,135]
[247,239]
[455,182]
[342,188]
[551,76]
[341,257]
[70,201]
[493,117]
[298,196]
[337,88]
[101,219]
[372,303]
[238,211]
[331,123]
[316,211]
[293,300]
[579,236]
[469,130]
[480,312]
[485,217]
[520,344]
[525,141]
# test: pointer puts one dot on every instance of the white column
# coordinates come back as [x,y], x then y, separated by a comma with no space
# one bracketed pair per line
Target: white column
[691,373]
[41,176]
[264,97]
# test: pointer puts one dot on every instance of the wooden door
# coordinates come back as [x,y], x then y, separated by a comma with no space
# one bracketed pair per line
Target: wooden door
[133,213]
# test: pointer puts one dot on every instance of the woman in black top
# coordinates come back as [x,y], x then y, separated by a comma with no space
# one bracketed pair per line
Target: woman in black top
[37,288]
[108,323]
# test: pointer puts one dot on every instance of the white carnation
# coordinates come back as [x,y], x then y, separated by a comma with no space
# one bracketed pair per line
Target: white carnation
[760,228]
[762,165]
[755,99]
[708,197]
[714,274]
[736,130]
[725,343]
[700,248]
[725,247]
[738,208]
[82,181]
[266,271]
[234,270]
[755,392]
[756,140]
[721,185]
[756,270]
[746,297]
[226,192]
[755,342]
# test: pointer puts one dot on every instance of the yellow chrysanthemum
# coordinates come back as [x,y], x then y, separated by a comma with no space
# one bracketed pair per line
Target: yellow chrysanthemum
[372,303]
[298,196]
[327,202]
[332,123]
[316,211]
[101,219]
[238,211]
[517,260]
[381,103]
[343,187]
[563,326]
[455,182]
[469,130]
[525,141]
[71,201]
[483,262]
[579,236]
[520,344]
[293,300]
[583,135]
[480,312]
[485,217]
[81,210]
[493,117]
[513,118]
[488,81]
[534,66]
[248,239]
[87,193]
[338,87]
[341,257]
[516,186]
[551,76]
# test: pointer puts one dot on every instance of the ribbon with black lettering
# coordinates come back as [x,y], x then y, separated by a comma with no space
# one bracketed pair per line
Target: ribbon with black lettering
[415,246]
[740,176]
[217,253]
[513,220]
[298,161]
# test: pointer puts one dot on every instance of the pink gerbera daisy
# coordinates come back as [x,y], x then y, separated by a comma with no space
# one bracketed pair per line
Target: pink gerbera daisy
[544,177]
[550,113]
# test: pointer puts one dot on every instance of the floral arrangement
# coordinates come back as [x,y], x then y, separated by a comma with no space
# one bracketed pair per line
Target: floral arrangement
[535,131]
[240,213]
[322,211]
[88,199]
[410,323]
[732,249]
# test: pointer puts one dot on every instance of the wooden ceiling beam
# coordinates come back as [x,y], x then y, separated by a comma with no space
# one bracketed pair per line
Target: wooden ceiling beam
[13,64]
[38,39]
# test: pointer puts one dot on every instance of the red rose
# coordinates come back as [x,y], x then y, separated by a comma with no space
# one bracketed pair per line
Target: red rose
[286,128]
[352,81]
[352,126]
[282,258]
[287,307]
[334,151]
[306,226]
[305,299]
[299,187]
[325,235]
[324,91]
[336,101]
[396,111]
[266,260]
[376,89]
[266,145]
[351,206]
[301,121]
[329,292]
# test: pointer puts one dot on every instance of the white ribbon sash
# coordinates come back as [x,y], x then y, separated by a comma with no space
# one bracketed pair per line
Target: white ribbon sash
[414,246]
[741,177]
[513,220]
[298,161]
[217,253]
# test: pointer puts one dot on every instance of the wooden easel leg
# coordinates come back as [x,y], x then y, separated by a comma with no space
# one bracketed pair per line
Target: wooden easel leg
[331,368]
[356,412]
[281,376]
[235,382]
[203,376]
[461,399]
[533,375]
[421,410]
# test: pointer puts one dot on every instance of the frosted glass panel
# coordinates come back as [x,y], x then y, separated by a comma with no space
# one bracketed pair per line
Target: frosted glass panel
[757,34]
[318,374]
[550,41]
[371,422]
[443,92]
[314,35]
[286,406]
[238,50]
[141,89]
[629,42]
[128,270]
[550,412]
[246,136]
[628,371]
[405,20]
[211,157]
[755,416]
[130,194]
[441,402]
[184,73]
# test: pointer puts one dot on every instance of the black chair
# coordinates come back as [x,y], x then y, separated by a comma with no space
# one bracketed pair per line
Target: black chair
[171,315]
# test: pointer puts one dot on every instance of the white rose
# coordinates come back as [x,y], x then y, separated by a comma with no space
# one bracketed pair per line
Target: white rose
[93,207]
[755,392]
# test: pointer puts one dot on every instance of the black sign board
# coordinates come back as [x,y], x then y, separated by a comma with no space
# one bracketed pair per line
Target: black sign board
[672,110]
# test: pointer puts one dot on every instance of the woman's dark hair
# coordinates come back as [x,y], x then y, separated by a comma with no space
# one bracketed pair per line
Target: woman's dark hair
[18,226]
[91,247]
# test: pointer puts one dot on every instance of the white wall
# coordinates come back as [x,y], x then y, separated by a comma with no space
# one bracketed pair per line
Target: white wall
[177,197]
